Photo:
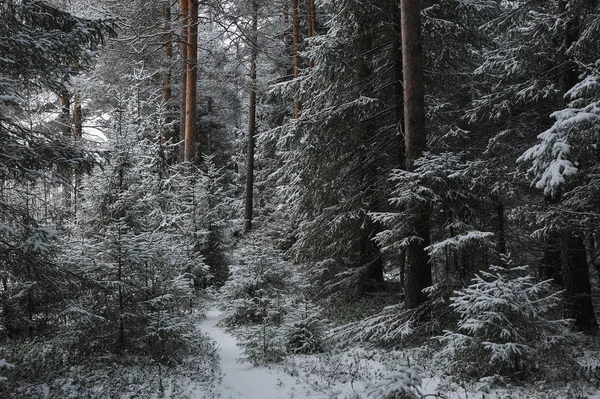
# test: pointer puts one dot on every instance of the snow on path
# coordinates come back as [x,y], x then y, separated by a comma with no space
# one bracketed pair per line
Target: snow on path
[245,381]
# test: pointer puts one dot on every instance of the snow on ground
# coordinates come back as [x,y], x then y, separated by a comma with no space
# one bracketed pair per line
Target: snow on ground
[350,374]
[245,381]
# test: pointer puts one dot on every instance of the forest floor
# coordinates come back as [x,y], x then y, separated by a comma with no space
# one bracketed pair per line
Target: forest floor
[352,374]
[242,380]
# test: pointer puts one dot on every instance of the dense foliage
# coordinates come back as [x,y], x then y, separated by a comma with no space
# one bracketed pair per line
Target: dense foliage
[114,239]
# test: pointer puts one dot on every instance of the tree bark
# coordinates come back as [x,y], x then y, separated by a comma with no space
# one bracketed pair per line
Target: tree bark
[578,299]
[191,89]
[578,290]
[370,253]
[183,45]
[77,117]
[166,79]
[65,111]
[296,50]
[418,269]
[248,206]
[311,17]
[65,125]
[209,127]
[500,228]
[398,86]
[311,22]
[287,40]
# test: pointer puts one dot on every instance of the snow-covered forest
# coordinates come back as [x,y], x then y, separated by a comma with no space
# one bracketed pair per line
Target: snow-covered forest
[353,199]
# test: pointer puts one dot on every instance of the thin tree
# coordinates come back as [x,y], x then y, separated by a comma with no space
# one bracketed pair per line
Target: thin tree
[248,206]
[418,270]
[191,78]
[286,22]
[209,127]
[65,110]
[166,79]
[183,45]
[311,22]
[296,44]
[311,17]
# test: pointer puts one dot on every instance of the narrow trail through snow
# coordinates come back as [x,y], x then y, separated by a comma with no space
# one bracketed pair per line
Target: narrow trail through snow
[243,380]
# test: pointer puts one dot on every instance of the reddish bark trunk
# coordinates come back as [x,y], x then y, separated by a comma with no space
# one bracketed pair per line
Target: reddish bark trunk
[418,269]
[77,117]
[191,78]
[296,44]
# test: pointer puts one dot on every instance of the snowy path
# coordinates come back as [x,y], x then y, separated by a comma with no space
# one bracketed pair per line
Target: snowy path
[243,380]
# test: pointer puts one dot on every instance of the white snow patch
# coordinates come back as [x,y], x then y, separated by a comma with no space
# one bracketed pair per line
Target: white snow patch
[244,381]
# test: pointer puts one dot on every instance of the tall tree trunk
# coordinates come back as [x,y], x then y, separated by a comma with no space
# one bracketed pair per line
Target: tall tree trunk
[65,113]
[311,18]
[65,125]
[77,117]
[248,206]
[418,269]
[578,295]
[399,86]
[77,136]
[578,290]
[166,79]
[311,22]
[209,127]
[370,253]
[191,79]
[183,46]
[287,39]
[296,50]
[500,228]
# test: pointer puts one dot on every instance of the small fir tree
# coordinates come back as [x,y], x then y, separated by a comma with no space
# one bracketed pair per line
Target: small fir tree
[505,324]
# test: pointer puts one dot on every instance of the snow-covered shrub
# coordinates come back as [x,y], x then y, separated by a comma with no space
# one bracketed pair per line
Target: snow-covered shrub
[253,302]
[254,292]
[389,326]
[505,324]
[304,329]
[261,344]
[50,369]
[404,383]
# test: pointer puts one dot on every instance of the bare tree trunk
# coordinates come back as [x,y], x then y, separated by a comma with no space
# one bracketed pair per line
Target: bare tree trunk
[578,292]
[191,79]
[65,126]
[65,113]
[418,269]
[166,80]
[500,229]
[399,87]
[209,128]
[311,17]
[248,206]
[77,136]
[183,45]
[311,20]
[296,44]
[287,39]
